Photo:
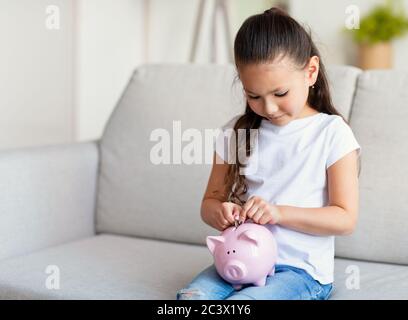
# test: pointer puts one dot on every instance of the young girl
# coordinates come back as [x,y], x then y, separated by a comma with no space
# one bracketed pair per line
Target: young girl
[303,179]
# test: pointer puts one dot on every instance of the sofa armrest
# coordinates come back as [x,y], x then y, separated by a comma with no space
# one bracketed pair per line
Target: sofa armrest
[47,196]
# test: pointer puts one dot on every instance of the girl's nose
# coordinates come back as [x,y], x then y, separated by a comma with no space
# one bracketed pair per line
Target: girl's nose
[271,107]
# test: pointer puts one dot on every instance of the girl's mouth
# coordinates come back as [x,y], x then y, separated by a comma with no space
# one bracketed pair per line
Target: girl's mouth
[276,117]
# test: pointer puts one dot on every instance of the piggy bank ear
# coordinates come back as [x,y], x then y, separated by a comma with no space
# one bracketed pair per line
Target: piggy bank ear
[249,235]
[214,241]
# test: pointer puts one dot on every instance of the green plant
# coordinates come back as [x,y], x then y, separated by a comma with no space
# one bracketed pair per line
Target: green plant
[382,24]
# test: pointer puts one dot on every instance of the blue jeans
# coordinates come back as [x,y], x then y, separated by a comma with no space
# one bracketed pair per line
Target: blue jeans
[288,283]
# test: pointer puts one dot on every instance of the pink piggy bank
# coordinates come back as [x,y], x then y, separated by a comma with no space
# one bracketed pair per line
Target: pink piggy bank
[244,255]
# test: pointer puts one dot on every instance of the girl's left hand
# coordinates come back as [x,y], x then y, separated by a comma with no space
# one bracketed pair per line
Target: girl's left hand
[260,211]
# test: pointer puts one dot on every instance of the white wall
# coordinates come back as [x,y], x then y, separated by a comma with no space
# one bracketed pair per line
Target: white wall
[172,26]
[109,47]
[35,75]
[112,43]
[61,86]
[327,18]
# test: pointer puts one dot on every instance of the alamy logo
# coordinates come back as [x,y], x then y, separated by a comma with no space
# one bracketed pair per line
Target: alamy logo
[353,18]
[52,19]
[52,282]
[353,280]
[199,148]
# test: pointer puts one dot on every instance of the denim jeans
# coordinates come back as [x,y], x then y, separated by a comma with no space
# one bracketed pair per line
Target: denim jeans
[288,283]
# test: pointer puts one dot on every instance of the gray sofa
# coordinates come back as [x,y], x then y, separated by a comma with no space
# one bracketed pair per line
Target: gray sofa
[99,220]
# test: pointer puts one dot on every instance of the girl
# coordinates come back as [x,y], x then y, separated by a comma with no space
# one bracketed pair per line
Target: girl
[303,184]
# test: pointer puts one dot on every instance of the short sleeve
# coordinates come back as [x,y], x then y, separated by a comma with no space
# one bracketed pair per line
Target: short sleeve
[223,138]
[341,142]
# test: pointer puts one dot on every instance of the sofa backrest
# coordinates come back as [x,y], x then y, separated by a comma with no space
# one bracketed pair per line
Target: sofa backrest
[139,198]
[379,120]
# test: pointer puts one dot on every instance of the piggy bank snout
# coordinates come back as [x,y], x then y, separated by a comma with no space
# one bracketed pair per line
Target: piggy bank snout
[235,270]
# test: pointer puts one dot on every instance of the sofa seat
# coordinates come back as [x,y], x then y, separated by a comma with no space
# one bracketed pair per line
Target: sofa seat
[117,267]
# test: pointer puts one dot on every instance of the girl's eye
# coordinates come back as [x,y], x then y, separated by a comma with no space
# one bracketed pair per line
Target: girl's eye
[281,94]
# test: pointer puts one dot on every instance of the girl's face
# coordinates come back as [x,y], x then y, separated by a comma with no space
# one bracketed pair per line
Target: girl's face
[278,91]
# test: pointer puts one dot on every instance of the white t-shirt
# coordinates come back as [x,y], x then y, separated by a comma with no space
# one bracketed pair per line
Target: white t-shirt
[288,167]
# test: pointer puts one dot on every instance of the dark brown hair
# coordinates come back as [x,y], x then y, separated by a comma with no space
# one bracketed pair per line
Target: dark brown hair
[261,39]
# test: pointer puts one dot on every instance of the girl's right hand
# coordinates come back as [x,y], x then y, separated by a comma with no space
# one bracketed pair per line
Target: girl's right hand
[224,217]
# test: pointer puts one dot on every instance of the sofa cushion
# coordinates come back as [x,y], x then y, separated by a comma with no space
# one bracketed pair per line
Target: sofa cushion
[118,267]
[379,121]
[137,197]
[104,267]
[342,82]
[357,280]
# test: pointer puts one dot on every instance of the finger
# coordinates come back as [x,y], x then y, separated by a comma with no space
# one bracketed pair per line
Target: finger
[242,216]
[247,206]
[236,213]
[230,217]
[251,212]
[227,225]
[264,219]
[258,215]
[224,222]
[222,219]
[226,215]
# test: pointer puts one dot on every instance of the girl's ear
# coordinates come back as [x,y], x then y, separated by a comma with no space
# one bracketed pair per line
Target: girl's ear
[312,70]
